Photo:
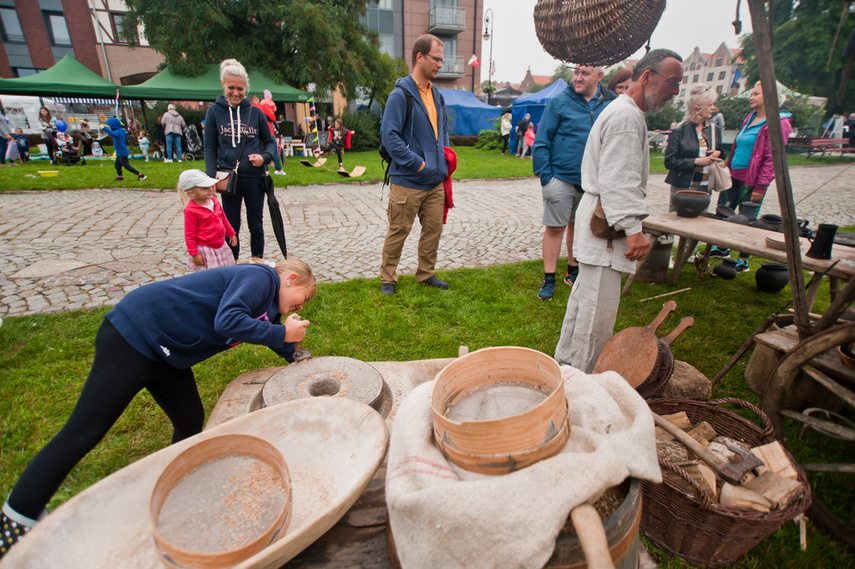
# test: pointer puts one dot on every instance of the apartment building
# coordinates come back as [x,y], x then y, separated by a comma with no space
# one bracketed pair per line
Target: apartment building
[458,23]
[722,70]
[36,34]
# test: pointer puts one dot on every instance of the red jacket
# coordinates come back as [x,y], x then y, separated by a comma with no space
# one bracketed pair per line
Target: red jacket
[265,107]
[205,227]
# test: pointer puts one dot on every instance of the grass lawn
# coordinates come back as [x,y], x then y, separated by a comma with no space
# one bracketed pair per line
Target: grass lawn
[472,163]
[44,360]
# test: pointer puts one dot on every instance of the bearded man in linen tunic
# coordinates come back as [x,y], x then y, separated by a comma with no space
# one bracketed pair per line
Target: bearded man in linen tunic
[614,173]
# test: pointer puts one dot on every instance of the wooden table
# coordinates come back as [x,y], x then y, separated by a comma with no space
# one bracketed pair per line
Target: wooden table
[747,239]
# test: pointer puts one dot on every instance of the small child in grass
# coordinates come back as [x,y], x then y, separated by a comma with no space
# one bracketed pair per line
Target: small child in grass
[120,145]
[205,223]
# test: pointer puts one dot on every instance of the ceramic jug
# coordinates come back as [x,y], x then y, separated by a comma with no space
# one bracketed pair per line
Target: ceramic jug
[822,241]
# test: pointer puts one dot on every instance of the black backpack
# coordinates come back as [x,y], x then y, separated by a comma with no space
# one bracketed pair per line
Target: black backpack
[385,157]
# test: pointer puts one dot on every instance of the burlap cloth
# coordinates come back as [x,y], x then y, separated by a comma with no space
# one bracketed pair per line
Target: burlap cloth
[444,517]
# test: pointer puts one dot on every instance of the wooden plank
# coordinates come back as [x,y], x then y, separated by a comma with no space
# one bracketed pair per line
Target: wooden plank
[830,384]
[821,425]
[766,68]
[751,240]
[828,362]
[830,467]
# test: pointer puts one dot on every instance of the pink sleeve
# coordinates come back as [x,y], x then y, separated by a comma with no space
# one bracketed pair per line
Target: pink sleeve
[190,231]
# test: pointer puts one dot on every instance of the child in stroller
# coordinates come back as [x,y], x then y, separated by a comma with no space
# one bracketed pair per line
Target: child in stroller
[66,151]
[193,143]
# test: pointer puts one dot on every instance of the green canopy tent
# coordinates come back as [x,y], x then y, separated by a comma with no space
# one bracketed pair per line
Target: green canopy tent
[68,77]
[206,87]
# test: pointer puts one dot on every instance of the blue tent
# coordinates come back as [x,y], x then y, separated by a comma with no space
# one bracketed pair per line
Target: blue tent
[533,104]
[468,115]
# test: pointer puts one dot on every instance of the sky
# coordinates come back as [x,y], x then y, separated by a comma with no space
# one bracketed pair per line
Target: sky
[684,25]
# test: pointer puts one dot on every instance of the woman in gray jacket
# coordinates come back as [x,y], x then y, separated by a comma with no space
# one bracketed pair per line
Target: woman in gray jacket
[173,126]
[688,154]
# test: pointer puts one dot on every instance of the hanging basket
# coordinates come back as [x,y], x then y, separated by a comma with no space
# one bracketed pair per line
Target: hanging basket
[595,32]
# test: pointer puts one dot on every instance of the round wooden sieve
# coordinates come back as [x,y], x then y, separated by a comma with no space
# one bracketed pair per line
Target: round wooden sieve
[512,409]
[219,502]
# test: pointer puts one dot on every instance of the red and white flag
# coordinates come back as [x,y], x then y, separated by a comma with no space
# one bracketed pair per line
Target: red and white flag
[474,61]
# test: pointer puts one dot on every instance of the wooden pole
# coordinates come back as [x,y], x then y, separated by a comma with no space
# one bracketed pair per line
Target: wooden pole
[766,69]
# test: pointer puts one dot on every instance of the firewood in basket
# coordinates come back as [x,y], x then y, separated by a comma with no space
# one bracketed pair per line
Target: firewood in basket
[776,460]
[738,497]
[780,491]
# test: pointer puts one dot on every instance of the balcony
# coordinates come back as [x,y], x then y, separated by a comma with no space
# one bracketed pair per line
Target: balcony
[452,67]
[447,20]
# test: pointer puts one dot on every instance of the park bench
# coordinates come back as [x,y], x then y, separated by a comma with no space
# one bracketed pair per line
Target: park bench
[813,145]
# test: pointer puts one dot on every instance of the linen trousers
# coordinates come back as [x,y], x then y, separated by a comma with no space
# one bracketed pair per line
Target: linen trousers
[404,205]
[590,318]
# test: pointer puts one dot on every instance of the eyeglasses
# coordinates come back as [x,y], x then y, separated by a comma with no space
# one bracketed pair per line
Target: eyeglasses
[435,58]
[675,84]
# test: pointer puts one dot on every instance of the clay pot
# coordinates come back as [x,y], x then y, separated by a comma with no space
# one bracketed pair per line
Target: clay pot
[772,277]
[724,211]
[738,218]
[749,210]
[726,269]
[770,222]
[691,203]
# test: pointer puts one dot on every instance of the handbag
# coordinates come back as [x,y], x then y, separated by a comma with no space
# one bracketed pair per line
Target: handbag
[719,175]
[228,179]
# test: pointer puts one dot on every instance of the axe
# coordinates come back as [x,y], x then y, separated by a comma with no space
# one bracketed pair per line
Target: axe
[730,471]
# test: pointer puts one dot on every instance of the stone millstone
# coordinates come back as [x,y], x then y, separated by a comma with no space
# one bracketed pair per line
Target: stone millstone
[326,376]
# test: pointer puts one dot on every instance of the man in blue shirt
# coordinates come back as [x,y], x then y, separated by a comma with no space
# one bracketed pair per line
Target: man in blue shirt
[557,159]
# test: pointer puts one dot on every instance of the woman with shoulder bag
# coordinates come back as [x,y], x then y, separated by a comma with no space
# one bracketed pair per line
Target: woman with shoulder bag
[238,140]
[689,155]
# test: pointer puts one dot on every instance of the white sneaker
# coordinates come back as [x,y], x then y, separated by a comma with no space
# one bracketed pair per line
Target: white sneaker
[280,172]
[167,161]
[179,160]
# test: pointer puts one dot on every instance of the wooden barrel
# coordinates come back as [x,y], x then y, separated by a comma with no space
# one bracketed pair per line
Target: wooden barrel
[655,269]
[621,531]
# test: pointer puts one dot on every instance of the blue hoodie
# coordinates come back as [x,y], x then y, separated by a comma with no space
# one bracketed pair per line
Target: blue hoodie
[223,140]
[563,132]
[120,137]
[414,143]
[188,319]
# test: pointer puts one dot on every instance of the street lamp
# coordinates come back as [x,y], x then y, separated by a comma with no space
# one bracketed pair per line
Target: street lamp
[488,29]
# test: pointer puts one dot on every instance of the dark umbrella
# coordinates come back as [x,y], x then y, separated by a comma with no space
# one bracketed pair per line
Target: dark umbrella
[276,217]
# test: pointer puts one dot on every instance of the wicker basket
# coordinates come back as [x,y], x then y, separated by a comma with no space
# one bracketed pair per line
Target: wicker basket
[595,32]
[695,528]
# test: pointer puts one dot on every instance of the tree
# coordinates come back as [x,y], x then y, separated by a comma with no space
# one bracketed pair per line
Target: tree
[563,71]
[299,42]
[803,35]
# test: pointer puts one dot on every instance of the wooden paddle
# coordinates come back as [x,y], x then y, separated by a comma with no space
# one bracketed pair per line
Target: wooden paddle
[634,352]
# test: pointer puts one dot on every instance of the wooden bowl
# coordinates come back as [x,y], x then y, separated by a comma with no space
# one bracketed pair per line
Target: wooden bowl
[777,244]
[500,409]
[847,355]
[220,502]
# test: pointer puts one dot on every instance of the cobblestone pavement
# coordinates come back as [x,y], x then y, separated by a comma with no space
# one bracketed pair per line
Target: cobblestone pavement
[69,250]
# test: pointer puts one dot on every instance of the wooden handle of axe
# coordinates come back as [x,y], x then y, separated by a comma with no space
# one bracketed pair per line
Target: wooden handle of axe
[703,452]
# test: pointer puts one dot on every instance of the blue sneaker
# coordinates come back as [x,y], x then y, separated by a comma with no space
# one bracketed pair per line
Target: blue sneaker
[741,265]
[547,288]
[572,274]
[721,253]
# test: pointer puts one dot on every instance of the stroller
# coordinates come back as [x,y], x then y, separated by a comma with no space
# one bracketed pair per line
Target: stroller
[193,143]
[66,151]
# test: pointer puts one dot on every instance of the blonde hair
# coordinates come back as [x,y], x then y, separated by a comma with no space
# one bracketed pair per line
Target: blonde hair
[305,279]
[700,95]
[184,195]
[234,68]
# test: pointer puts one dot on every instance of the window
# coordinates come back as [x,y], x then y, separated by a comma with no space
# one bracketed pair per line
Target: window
[722,75]
[380,17]
[718,89]
[695,78]
[57,29]
[116,20]
[710,77]
[24,71]
[692,67]
[719,61]
[11,27]
[685,78]
[682,92]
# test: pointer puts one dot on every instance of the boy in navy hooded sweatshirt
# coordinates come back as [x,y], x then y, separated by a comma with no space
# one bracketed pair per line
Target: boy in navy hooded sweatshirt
[120,144]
